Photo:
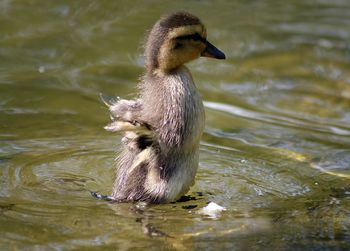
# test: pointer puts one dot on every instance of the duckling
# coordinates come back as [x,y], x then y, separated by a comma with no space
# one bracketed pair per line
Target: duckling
[163,126]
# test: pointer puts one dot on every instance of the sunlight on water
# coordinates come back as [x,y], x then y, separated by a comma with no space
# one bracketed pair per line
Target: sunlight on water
[275,152]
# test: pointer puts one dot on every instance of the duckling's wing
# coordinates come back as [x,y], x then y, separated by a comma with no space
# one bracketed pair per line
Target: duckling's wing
[125,126]
[122,109]
[126,110]
[125,116]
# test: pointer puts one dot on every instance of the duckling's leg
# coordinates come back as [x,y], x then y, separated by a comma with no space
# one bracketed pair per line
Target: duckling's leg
[139,176]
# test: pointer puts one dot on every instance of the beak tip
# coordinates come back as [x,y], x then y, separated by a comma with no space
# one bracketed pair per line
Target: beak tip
[223,56]
[213,52]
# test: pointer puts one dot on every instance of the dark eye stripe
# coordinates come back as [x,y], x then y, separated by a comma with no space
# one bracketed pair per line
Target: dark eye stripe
[195,37]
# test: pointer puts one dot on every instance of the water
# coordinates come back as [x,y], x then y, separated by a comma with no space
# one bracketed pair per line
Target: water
[275,152]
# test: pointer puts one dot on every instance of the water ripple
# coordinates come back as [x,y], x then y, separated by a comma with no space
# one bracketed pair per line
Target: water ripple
[278,120]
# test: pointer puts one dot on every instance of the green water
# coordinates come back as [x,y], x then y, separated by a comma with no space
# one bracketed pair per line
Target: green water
[276,148]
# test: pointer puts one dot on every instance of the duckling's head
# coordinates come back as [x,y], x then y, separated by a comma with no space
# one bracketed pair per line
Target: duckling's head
[175,40]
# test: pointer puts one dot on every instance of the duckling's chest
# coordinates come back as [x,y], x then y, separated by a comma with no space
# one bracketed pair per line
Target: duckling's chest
[183,121]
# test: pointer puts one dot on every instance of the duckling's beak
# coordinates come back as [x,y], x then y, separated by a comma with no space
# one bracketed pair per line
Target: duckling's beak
[212,52]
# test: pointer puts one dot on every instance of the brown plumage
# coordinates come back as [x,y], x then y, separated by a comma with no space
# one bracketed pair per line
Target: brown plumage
[163,126]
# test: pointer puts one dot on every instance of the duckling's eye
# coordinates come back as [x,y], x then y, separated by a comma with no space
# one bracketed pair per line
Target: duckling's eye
[178,45]
[194,37]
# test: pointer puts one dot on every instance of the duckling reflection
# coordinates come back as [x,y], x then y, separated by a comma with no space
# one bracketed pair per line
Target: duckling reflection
[163,126]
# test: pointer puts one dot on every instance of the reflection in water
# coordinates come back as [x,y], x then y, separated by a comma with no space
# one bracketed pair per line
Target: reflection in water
[275,151]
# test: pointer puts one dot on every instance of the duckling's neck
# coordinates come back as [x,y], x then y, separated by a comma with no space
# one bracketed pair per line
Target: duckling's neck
[179,77]
[162,72]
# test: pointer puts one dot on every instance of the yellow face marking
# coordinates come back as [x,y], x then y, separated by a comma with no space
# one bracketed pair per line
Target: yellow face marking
[187,30]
